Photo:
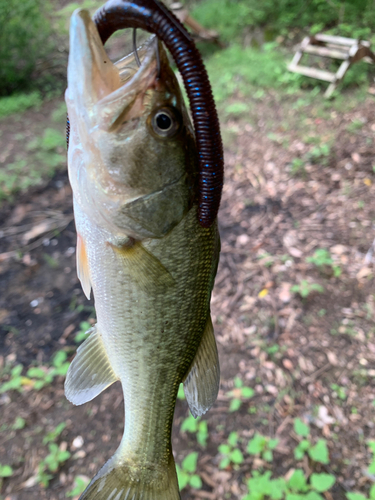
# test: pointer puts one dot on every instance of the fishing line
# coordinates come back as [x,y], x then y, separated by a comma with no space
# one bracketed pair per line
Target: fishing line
[135,47]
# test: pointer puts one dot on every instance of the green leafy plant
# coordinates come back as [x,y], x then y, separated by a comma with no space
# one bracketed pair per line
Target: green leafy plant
[80,484]
[36,377]
[317,453]
[297,167]
[305,288]
[51,463]
[319,154]
[239,394]
[359,496]
[186,474]
[323,260]
[54,434]
[83,332]
[44,376]
[15,381]
[5,470]
[339,391]
[230,453]
[198,427]
[263,446]
[181,393]
[18,103]
[262,486]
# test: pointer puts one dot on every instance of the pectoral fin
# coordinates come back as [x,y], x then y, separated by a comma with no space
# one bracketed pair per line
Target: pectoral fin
[143,267]
[201,385]
[90,371]
[83,271]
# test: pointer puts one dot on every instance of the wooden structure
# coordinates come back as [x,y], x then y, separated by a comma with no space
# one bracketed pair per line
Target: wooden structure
[348,50]
[198,30]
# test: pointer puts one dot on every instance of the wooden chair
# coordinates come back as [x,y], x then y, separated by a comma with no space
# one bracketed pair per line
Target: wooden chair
[348,50]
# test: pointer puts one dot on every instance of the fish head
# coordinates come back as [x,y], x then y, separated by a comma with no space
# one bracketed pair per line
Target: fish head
[132,157]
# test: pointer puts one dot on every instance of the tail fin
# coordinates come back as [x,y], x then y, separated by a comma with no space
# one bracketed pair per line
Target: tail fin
[126,480]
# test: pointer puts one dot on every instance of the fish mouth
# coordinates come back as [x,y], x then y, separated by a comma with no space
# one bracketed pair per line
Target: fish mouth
[105,89]
[128,101]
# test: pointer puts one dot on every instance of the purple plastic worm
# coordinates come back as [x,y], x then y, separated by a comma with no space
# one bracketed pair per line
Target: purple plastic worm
[153,16]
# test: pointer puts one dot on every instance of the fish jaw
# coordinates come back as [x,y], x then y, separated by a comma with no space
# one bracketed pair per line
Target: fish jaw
[115,158]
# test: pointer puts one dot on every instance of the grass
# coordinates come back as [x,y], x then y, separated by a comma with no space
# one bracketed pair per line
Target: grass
[18,103]
[34,163]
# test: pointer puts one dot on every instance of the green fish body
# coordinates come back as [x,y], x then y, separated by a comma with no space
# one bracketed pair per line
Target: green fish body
[133,168]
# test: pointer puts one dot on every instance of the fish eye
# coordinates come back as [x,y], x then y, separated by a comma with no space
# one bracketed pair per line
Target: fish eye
[165,123]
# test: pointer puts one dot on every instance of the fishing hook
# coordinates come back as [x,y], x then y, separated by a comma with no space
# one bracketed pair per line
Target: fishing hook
[136,53]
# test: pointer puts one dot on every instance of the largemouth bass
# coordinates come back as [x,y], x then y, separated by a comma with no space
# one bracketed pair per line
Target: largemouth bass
[133,167]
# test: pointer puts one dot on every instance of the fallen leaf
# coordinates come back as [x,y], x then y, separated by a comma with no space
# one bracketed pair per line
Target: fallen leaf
[288,364]
[263,293]
[36,231]
[363,273]
[356,157]
[338,249]
[284,294]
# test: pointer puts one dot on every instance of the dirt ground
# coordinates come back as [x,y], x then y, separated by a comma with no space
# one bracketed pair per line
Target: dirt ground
[311,357]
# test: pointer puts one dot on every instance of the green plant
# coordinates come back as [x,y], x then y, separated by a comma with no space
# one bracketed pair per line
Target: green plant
[25,40]
[43,376]
[317,452]
[186,473]
[16,380]
[51,463]
[263,446]
[230,453]
[239,394]
[5,470]
[305,288]
[36,377]
[319,154]
[53,435]
[18,103]
[83,332]
[237,109]
[261,486]
[19,424]
[196,426]
[340,391]
[322,259]
[354,126]
[359,496]
[80,484]
[181,393]
[297,167]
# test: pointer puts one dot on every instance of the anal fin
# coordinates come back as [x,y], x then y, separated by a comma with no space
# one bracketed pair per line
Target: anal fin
[201,384]
[143,266]
[90,371]
[83,271]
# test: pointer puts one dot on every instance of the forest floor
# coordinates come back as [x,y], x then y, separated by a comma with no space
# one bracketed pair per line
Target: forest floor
[293,309]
